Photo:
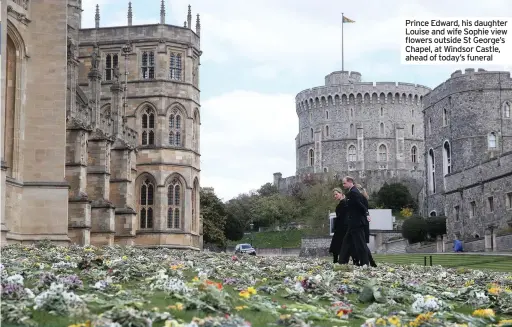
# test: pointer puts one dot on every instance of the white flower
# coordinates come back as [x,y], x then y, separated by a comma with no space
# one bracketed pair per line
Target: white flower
[15,279]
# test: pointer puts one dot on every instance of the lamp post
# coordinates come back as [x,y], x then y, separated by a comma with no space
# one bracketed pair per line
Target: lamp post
[252,239]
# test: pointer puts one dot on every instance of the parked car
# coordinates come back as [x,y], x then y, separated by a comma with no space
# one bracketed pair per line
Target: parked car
[245,248]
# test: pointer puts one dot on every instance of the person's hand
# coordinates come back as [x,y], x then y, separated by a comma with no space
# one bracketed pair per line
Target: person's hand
[369,218]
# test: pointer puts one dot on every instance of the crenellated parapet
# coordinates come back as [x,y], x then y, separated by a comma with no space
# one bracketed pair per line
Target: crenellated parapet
[344,88]
[470,80]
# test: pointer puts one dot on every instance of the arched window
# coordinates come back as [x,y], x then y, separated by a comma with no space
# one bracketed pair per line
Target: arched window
[431,171]
[352,130]
[381,111]
[326,130]
[412,130]
[174,199]
[429,125]
[195,196]
[381,128]
[445,117]
[148,127]
[351,112]
[433,213]
[506,110]
[312,135]
[492,140]
[327,114]
[383,153]
[311,157]
[147,191]
[447,160]
[175,129]
[414,155]
[352,153]
[10,107]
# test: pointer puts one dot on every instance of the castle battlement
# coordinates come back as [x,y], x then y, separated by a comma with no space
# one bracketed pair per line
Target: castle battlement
[468,81]
[353,91]
[138,33]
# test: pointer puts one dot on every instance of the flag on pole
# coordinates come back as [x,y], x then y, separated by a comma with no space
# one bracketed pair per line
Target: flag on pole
[348,20]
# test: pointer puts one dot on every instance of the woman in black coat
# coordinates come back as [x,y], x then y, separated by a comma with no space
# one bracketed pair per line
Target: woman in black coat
[340,224]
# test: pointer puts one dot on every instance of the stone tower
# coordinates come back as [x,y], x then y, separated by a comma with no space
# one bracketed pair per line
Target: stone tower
[468,153]
[372,131]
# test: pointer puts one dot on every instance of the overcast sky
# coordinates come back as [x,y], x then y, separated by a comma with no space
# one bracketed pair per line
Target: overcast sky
[257,55]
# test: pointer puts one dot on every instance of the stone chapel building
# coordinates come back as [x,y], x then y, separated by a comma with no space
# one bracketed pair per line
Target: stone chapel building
[100,128]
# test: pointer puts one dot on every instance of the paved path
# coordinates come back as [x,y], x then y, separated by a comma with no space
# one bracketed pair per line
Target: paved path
[509,254]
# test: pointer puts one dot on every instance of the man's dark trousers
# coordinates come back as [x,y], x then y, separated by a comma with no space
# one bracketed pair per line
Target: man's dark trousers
[355,237]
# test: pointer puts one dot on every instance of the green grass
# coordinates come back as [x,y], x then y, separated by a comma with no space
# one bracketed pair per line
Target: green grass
[481,262]
[282,239]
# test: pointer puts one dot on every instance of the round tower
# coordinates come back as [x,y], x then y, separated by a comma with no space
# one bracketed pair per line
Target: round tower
[372,131]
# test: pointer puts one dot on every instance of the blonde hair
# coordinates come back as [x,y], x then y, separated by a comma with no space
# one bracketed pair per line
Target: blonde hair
[337,189]
[363,191]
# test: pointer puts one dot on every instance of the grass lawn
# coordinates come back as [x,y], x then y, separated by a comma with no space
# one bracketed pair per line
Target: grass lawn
[282,239]
[481,262]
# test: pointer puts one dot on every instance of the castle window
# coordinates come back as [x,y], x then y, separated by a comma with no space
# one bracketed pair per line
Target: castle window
[352,130]
[327,131]
[195,196]
[383,153]
[412,112]
[457,213]
[175,130]
[310,116]
[414,155]
[506,110]
[412,130]
[472,209]
[327,114]
[447,158]
[492,140]
[381,128]
[311,157]
[312,135]
[429,125]
[176,66]
[148,65]
[111,62]
[381,111]
[490,203]
[433,213]
[508,200]
[351,113]
[352,154]
[174,196]
[147,190]
[445,117]
[148,127]
[325,169]
[431,172]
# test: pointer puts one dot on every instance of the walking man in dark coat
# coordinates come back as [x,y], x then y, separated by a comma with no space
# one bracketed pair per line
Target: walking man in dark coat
[356,214]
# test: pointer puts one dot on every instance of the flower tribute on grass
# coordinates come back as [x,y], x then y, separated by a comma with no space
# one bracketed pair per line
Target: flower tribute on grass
[44,285]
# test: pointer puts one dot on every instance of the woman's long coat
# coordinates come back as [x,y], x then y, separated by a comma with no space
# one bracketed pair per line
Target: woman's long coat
[340,228]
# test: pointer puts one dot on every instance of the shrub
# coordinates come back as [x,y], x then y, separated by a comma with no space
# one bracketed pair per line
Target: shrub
[436,226]
[414,229]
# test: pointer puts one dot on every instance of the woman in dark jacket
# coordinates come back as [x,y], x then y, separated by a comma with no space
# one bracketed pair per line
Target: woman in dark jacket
[340,224]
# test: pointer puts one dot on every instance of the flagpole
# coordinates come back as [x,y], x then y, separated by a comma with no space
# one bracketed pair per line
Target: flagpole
[342,66]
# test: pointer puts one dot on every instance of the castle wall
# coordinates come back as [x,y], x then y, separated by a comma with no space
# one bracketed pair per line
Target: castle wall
[36,193]
[475,192]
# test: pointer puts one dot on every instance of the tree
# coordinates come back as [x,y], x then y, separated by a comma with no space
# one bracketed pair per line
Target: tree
[395,197]
[214,218]
[275,209]
[268,189]
[234,229]
[414,229]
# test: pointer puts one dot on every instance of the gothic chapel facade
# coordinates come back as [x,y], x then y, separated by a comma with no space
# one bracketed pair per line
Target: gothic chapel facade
[124,166]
